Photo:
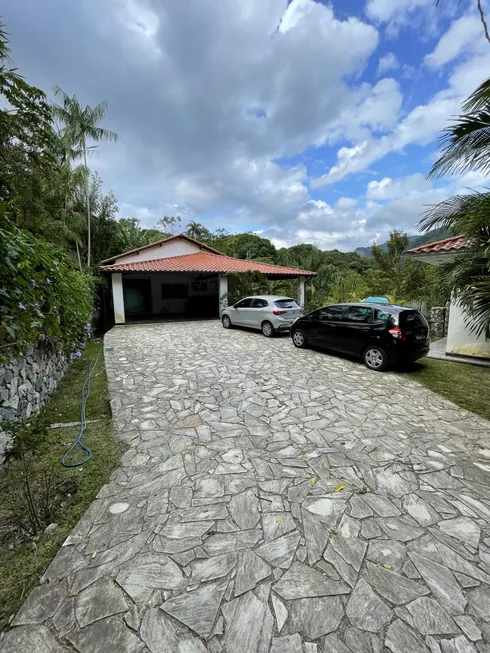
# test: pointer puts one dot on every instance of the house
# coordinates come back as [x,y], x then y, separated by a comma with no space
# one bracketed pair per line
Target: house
[460,340]
[179,276]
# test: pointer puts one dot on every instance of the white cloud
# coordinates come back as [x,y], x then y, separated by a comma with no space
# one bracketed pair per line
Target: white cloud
[389,188]
[421,126]
[387,62]
[386,10]
[463,34]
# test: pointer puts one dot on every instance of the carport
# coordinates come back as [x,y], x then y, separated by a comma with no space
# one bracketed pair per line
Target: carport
[181,277]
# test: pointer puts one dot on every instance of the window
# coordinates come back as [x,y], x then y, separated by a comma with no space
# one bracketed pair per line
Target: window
[359,314]
[413,319]
[330,314]
[286,303]
[175,291]
[260,303]
[381,316]
[244,303]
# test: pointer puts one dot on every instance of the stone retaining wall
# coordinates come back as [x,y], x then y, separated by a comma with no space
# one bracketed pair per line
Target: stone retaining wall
[438,320]
[27,381]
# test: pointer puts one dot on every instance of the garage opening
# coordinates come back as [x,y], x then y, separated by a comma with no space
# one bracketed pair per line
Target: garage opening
[170,296]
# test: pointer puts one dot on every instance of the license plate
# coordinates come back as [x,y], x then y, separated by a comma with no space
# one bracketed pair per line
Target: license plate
[422,337]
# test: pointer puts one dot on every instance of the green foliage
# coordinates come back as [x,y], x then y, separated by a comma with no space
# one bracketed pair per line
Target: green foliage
[247,246]
[466,144]
[469,272]
[43,296]
[245,284]
[198,232]
[26,143]
[131,235]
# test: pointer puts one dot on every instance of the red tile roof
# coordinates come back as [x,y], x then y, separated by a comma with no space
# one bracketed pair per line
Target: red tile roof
[446,245]
[204,262]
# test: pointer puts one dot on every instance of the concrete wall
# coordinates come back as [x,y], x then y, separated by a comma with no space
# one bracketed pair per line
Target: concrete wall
[459,338]
[172,248]
[27,381]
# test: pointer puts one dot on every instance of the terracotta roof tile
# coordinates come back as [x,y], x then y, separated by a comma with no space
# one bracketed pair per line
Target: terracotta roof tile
[446,245]
[204,262]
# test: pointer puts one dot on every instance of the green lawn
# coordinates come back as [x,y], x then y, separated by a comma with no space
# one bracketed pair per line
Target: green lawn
[21,566]
[467,386]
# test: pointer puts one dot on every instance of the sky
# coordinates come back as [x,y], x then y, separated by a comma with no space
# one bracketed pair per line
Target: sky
[304,121]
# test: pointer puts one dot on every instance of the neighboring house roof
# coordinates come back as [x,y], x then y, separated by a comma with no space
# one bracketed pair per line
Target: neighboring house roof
[446,245]
[159,243]
[204,262]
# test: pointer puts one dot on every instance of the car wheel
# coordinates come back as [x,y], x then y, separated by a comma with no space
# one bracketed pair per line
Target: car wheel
[226,322]
[299,339]
[267,329]
[375,358]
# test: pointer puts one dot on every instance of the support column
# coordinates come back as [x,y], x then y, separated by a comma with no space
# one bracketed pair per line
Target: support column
[223,293]
[301,291]
[118,298]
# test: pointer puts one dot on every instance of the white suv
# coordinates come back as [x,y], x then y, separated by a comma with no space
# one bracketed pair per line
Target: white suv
[268,313]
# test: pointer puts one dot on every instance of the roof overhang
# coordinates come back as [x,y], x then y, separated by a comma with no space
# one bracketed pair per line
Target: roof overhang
[435,258]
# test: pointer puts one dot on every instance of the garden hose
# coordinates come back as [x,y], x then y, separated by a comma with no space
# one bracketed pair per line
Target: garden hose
[78,442]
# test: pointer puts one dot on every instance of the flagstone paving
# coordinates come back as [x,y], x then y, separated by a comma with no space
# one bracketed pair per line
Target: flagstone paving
[272,499]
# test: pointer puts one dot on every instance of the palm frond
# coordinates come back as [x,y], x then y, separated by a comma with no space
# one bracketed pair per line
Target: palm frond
[461,214]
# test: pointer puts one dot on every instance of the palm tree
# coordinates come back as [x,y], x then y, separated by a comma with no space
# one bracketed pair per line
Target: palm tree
[67,183]
[197,231]
[470,270]
[466,144]
[81,124]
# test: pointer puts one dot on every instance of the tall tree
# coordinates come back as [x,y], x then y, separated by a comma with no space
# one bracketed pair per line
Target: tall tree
[80,126]
[170,224]
[26,144]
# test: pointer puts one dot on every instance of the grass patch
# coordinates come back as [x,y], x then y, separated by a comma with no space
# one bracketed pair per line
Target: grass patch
[465,385]
[23,557]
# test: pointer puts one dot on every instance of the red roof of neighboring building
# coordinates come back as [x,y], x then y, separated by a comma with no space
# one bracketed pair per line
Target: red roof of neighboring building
[446,245]
[205,262]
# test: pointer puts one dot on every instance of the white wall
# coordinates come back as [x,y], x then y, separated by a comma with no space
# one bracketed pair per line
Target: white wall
[173,248]
[460,340]
[118,298]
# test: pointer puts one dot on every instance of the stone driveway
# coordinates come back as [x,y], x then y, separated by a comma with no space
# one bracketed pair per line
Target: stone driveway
[272,499]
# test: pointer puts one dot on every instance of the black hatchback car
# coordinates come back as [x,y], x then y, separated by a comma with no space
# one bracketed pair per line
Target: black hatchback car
[380,334]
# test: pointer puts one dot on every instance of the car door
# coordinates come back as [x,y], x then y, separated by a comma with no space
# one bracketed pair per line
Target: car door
[240,312]
[325,327]
[355,329]
[257,312]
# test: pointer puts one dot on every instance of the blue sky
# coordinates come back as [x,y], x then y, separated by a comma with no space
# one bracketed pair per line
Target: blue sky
[304,121]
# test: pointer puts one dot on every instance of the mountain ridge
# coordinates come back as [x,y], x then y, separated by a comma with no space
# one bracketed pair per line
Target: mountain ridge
[416,240]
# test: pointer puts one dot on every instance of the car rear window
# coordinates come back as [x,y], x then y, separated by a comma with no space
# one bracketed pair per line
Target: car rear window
[413,319]
[286,303]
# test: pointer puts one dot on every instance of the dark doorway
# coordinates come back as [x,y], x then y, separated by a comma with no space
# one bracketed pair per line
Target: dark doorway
[137,297]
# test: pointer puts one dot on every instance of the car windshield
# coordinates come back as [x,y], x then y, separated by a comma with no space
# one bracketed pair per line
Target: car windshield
[286,303]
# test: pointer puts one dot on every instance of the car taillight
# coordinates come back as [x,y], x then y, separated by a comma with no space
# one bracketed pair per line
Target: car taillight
[276,312]
[398,334]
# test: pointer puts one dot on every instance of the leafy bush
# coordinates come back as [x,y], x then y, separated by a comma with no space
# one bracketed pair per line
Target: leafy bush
[42,295]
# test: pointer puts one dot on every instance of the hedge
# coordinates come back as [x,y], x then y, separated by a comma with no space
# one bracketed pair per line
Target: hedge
[42,294]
